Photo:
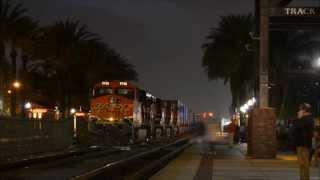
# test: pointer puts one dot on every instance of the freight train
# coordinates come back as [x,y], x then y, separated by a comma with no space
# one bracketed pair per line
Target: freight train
[123,104]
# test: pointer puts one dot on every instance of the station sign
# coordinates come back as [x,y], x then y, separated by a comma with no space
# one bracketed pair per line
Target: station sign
[296,12]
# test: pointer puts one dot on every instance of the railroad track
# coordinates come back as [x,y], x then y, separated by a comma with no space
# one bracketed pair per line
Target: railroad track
[139,166]
[96,164]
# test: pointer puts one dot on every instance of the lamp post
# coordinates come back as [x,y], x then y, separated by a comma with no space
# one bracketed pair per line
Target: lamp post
[28,110]
[16,86]
[75,135]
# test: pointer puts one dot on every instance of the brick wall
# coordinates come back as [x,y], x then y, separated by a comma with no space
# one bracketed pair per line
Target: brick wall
[262,133]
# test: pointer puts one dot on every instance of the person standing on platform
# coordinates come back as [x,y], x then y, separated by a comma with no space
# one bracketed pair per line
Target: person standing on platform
[231,132]
[315,143]
[236,136]
[303,133]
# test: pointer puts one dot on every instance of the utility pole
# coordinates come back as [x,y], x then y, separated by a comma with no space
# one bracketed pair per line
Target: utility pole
[264,54]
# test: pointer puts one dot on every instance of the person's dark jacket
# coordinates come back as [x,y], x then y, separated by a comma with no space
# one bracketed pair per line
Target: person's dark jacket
[303,132]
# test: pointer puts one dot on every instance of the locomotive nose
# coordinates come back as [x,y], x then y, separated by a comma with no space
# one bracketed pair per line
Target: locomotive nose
[112,100]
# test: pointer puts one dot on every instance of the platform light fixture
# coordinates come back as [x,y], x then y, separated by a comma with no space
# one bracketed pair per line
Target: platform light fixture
[242,109]
[317,62]
[148,95]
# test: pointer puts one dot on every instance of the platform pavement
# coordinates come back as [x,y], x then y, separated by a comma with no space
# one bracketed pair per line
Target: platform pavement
[219,162]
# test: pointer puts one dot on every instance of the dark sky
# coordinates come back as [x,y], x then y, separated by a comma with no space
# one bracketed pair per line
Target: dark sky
[162,38]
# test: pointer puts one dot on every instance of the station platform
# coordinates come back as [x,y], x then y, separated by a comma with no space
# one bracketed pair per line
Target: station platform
[217,161]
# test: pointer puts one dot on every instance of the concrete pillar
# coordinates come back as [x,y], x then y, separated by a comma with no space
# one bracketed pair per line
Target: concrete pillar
[264,54]
[262,141]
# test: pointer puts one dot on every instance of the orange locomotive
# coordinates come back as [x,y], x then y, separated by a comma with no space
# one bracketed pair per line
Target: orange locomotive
[116,103]
[112,101]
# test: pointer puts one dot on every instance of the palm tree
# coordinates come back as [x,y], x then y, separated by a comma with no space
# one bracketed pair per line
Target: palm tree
[25,36]
[226,56]
[11,14]
[100,63]
[76,59]
[60,44]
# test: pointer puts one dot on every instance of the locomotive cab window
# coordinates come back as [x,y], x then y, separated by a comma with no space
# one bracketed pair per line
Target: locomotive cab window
[103,91]
[129,93]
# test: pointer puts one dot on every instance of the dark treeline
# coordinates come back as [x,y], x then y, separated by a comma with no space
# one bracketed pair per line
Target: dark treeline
[57,64]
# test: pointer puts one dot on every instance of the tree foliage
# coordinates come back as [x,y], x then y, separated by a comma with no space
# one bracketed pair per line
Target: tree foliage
[60,62]
[226,54]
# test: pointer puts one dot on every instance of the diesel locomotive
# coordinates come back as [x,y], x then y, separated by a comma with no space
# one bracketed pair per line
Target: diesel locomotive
[121,103]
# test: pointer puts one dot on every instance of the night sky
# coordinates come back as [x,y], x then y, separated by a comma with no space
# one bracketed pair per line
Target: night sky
[162,38]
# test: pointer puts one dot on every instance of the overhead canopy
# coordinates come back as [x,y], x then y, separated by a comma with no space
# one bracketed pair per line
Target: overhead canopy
[284,18]
[279,3]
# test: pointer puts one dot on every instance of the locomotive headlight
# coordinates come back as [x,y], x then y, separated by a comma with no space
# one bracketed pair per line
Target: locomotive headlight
[123,84]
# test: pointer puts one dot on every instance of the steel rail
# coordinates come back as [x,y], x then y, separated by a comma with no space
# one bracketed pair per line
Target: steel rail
[113,165]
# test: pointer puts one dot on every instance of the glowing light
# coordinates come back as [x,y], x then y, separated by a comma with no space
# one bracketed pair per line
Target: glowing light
[246,106]
[16,84]
[148,95]
[28,105]
[111,119]
[242,109]
[250,102]
[225,121]
[210,114]
[123,83]
[254,100]
[204,115]
[80,114]
[317,63]
[105,83]
[9,91]
[72,110]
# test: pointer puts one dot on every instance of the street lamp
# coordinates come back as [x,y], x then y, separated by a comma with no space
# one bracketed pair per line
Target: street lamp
[28,108]
[75,136]
[72,111]
[28,105]
[16,84]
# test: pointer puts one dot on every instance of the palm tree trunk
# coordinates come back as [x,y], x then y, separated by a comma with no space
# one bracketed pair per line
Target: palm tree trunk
[62,96]
[13,108]
[25,60]
[2,78]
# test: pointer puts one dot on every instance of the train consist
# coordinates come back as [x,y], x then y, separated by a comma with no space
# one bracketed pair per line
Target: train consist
[122,104]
